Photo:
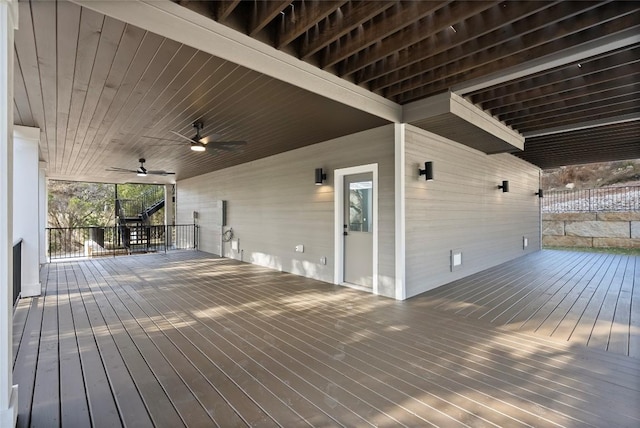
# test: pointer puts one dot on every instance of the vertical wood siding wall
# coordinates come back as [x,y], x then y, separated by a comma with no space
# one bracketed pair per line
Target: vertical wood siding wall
[273,205]
[463,209]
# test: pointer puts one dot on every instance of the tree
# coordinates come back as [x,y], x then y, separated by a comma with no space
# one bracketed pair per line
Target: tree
[78,204]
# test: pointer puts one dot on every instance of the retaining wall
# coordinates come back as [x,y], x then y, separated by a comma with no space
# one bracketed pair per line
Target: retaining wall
[601,229]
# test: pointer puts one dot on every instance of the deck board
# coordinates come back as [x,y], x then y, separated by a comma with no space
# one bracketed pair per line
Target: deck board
[583,298]
[45,408]
[634,321]
[144,391]
[103,409]
[74,410]
[222,343]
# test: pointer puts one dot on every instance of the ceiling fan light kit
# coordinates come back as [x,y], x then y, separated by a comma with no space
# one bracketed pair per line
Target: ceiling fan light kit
[198,147]
[200,143]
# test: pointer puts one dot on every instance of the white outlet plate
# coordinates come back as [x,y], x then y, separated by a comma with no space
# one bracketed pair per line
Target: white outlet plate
[299,248]
[455,259]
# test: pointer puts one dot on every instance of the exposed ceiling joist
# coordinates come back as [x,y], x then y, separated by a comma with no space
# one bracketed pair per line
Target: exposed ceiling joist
[414,85]
[579,126]
[333,28]
[429,24]
[263,12]
[450,36]
[295,23]
[573,54]
[403,16]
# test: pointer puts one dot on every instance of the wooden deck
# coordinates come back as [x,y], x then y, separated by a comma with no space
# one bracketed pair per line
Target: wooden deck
[185,339]
[591,299]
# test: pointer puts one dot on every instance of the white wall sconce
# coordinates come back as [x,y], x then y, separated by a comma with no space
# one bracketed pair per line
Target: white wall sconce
[539,193]
[427,171]
[504,186]
[321,176]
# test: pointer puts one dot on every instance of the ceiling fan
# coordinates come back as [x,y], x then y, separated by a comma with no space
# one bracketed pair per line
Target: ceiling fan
[200,143]
[141,171]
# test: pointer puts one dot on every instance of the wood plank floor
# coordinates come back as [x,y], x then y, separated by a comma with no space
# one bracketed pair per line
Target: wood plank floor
[186,339]
[591,299]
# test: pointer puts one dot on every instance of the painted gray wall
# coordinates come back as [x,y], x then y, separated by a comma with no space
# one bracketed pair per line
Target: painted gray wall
[463,209]
[273,205]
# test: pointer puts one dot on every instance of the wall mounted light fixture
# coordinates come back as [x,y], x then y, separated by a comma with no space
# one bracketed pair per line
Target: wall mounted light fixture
[539,193]
[321,176]
[504,186]
[427,171]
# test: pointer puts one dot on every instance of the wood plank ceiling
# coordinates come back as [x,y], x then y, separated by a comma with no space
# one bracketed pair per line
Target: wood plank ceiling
[105,92]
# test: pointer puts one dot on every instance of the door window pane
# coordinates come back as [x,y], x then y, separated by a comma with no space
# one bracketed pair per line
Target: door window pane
[360,206]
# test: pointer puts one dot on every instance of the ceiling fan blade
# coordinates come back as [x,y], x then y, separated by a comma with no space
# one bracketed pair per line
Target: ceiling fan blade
[158,138]
[160,173]
[228,143]
[183,137]
[116,169]
[210,138]
[211,147]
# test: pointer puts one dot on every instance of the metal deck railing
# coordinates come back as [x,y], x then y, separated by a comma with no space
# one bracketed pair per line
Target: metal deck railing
[85,242]
[589,200]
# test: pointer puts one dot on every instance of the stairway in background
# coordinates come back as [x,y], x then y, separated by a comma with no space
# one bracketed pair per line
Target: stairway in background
[134,218]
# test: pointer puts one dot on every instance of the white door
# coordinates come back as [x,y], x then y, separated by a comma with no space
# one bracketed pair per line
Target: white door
[358,223]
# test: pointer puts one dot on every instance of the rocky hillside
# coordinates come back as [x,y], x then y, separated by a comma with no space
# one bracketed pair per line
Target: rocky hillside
[606,174]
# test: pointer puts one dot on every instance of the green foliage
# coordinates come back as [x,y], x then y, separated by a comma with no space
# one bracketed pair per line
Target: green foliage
[76,204]
[134,191]
[80,204]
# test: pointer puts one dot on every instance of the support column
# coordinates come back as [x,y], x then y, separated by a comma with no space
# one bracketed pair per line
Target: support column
[8,391]
[43,211]
[26,205]
[169,204]
[400,226]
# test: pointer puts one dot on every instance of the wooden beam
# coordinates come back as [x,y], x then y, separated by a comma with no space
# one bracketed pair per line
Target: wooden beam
[332,29]
[201,7]
[527,34]
[589,127]
[539,107]
[224,8]
[406,43]
[487,62]
[587,109]
[607,61]
[601,81]
[402,15]
[263,12]
[569,96]
[309,14]
[614,109]
[443,38]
